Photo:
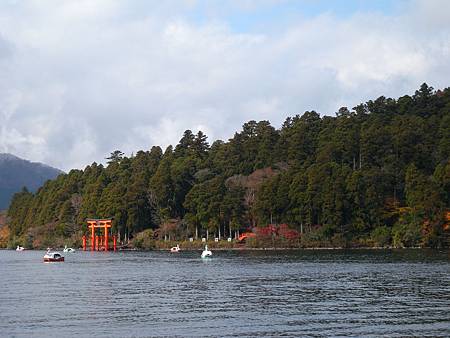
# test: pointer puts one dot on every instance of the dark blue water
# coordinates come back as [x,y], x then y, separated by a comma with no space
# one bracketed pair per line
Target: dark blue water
[254,293]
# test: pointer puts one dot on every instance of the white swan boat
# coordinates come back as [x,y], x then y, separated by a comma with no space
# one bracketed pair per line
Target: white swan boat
[206,253]
[66,249]
[175,248]
[20,248]
[53,256]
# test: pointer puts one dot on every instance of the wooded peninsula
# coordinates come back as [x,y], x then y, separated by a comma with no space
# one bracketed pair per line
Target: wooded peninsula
[374,176]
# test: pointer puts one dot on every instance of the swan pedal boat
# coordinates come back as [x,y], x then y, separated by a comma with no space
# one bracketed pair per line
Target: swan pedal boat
[175,248]
[53,256]
[66,249]
[206,253]
[20,248]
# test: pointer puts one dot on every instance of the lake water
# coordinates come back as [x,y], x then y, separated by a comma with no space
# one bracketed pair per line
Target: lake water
[235,294]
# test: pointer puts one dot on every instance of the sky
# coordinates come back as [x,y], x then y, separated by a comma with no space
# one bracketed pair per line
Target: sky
[80,79]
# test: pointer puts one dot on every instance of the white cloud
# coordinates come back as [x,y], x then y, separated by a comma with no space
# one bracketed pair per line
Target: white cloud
[80,79]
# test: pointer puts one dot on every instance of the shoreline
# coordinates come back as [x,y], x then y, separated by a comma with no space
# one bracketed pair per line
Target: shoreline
[292,249]
[253,249]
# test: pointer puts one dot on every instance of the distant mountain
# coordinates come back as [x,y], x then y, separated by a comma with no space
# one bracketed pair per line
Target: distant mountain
[16,173]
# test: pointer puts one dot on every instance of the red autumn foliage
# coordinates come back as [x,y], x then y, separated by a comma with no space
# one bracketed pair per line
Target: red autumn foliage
[282,230]
[287,233]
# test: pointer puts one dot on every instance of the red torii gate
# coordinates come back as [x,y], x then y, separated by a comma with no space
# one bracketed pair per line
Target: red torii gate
[99,242]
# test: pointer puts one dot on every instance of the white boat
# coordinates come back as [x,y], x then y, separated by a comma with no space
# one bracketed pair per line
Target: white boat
[20,248]
[206,253]
[66,249]
[175,248]
[53,256]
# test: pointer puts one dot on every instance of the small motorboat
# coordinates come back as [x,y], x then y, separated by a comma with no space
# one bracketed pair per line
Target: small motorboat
[53,256]
[66,249]
[20,248]
[175,248]
[206,253]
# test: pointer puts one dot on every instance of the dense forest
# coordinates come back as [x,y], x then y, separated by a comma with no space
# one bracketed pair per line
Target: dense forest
[375,175]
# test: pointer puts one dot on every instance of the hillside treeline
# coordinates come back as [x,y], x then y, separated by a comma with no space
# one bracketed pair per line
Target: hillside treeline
[378,174]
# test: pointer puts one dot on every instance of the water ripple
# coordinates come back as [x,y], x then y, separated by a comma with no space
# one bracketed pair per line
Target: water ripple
[246,294]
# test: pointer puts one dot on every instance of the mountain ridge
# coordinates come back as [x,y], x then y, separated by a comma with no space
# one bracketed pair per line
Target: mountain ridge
[16,173]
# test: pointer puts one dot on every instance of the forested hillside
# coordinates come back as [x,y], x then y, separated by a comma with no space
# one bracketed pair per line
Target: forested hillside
[377,174]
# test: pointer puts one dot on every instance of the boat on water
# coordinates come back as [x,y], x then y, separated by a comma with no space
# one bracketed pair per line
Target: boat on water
[175,248]
[53,256]
[206,253]
[20,248]
[66,249]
